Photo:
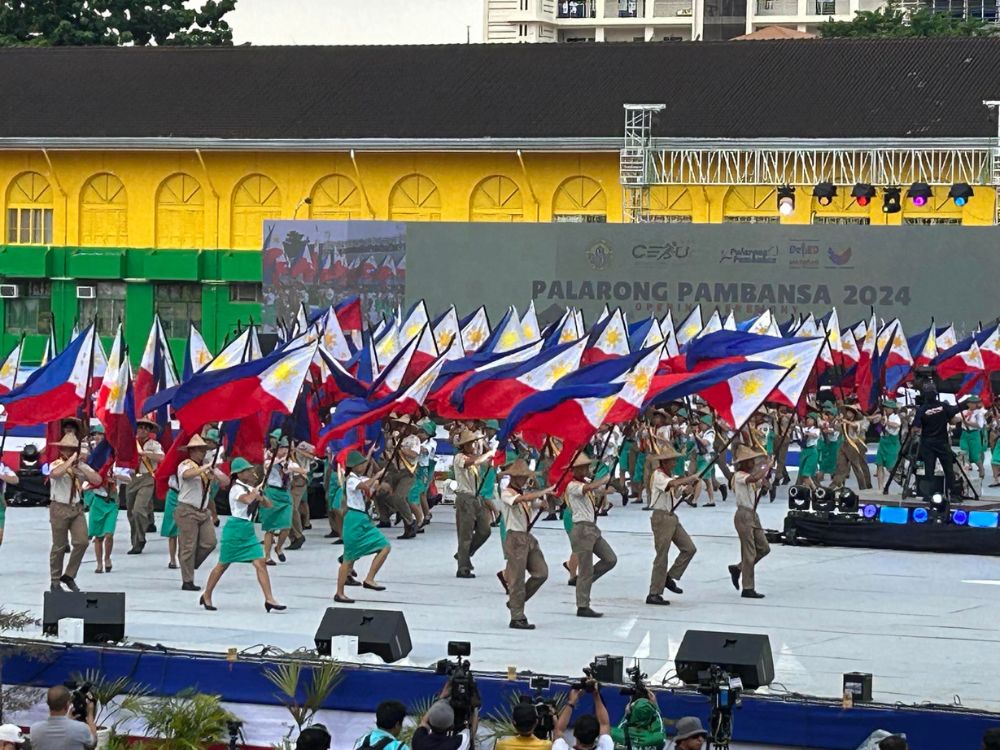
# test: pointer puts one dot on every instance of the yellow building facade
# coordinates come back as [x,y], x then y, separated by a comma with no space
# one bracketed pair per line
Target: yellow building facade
[219,200]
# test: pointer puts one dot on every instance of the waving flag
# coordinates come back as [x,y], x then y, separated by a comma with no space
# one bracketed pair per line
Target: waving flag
[156,370]
[370,266]
[691,327]
[507,335]
[10,367]
[572,413]
[714,324]
[961,359]
[475,330]
[304,268]
[677,385]
[610,339]
[51,350]
[946,337]
[55,390]
[808,329]
[336,382]
[269,384]
[332,337]
[730,322]
[117,414]
[897,361]
[735,399]
[448,336]
[635,372]
[672,348]
[114,363]
[924,347]
[989,347]
[529,324]
[562,331]
[387,270]
[388,344]
[196,354]
[349,314]
[866,378]
[391,377]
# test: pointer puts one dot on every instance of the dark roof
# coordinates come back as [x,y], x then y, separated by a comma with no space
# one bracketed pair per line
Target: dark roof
[785,88]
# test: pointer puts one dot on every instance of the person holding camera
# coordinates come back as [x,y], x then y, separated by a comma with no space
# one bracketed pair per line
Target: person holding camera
[64,730]
[590,731]
[435,730]
[642,726]
[524,717]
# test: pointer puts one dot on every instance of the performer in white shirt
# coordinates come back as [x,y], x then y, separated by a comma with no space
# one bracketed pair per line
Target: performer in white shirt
[749,479]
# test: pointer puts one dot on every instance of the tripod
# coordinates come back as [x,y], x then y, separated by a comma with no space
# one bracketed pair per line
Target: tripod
[910,451]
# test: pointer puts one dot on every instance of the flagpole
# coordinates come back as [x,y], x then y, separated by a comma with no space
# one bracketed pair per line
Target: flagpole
[88,403]
[13,385]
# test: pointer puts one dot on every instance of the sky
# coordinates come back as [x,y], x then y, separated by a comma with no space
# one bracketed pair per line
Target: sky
[356,22]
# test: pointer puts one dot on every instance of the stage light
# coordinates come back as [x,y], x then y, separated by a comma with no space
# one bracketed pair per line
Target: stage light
[824,193]
[798,497]
[786,200]
[847,500]
[939,507]
[823,500]
[863,193]
[984,519]
[870,511]
[892,514]
[960,193]
[890,201]
[960,518]
[920,515]
[919,193]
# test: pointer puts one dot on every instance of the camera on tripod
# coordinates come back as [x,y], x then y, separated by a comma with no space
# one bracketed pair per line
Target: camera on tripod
[636,688]
[80,695]
[545,708]
[725,693]
[463,696]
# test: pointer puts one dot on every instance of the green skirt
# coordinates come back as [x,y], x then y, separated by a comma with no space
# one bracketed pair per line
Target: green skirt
[361,538]
[680,468]
[769,446]
[623,456]
[3,512]
[239,542]
[488,489]
[602,471]
[103,514]
[334,492]
[421,481]
[808,462]
[995,459]
[828,456]
[567,519]
[168,527]
[701,464]
[279,516]
[888,451]
[971,443]
[640,468]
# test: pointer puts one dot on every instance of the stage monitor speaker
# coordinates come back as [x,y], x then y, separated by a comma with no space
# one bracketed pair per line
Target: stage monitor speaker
[609,670]
[859,685]
[742,655]
[102,612]
[927,486]
[380,632]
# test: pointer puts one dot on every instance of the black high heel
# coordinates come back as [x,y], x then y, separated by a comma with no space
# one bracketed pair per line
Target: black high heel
[209,607]
[278,607]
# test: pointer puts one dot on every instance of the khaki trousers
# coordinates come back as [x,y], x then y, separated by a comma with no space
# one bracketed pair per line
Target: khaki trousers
[667,530]
[69,530]
[523,556]
[472,520]
[298,491]
[139,507]
[395,501]
[195,538]
[753,543]
[850,458]
[586,541]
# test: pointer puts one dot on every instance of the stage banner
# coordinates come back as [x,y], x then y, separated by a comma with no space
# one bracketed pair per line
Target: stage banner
[320,263]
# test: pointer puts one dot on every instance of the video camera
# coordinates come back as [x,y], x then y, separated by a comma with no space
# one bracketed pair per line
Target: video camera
[724,691]
[589,683]
[463,694]
[637,688]
[80,695]
[545,708]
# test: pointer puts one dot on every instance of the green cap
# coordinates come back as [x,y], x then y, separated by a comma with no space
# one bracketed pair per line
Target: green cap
[283,443]
[682,412]
[97,429]
[707,418]
[276,434]
[239,464]
[355,458]
[890,404]
[213,435]
[429,427]
[830,408]
[813,415]
[492,424]
[974,399]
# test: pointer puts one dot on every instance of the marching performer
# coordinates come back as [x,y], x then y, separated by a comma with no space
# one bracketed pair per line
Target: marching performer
[101,500]
[66,475]
[195,513]
[277,519]
[520,546]
[852,454]
[304,455]
[239,538]
[139,495]
[749,478]
[361,537]
[472,515]
[890,424]
[973,421]
[398,477]
[809,435]
[6,477]
[667,528]
[585,538]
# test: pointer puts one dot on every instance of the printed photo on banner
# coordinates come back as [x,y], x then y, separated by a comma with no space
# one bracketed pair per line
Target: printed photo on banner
[319,263]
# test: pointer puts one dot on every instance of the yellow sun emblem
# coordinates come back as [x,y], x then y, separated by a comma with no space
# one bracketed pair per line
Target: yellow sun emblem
[113,393]
[604,406]
[412,330]
[7,370]
[529,332]
[691,330]
[444,339]
[283,373]
[751,386]
[639,380]
[558,370]
[566,336]
[612,336]
[509,340]
[203,357]
[476,336]
[787,359]
[975,358]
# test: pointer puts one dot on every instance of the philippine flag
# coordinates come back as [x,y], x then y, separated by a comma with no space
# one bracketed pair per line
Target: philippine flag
[55,390]
[457,372]
[735,399]
[117,414]
[114,363]
[156,370]
[196,355]
[447,335]
[8,371]
[634,372]
[507,335]
[475,330]
[529,324]
[964,357]
[610,340]
[690,328]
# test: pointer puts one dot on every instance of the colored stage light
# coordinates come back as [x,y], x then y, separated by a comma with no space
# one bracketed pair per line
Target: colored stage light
[960,518]
[889,514]
[960,193]
[847,500]
[891,201]
[939,507]
[919,193]
[870,511]
[920,515]
[798,497]
[983,519]
[863,193]
[824,193]
[786,200]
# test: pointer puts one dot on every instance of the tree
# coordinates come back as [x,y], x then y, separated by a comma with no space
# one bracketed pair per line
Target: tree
[892,21]
[111,23]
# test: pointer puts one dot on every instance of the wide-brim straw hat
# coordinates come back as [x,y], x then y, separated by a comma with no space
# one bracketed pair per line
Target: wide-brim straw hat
[746,453]
[148,422]
[667,453]
[196,441]
[306,449]
[519,468]
[68,441]
[468,436]
[581,460]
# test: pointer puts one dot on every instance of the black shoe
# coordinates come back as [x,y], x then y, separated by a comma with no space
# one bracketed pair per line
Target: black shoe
[656,599]
[587,612]
[384,525]
[70,584]
[409,533]
[708,505]
[54,586]
[751,594]
[209,607]
[725,492]
[672,586]
[190,587]
[551,517]
[134,551]
[521,625]
[373,587]
[297,544]
[571,581]
[276,607]
[331,535]
[734,573]
[281,557]
[151,529]
[352,582]
[342,599]
[337,541]
[465,574]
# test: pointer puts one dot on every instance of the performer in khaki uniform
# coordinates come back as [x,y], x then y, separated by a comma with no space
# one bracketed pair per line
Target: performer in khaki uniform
[852,450]
[139,494]
[585,538]
[398,477]
[520,546]
[69,525]
[750,474]
[472,515]
[194,514]
[303,455]
[667,528]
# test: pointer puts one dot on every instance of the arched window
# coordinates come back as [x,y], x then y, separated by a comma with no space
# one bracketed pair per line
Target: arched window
[335,197]
[255,200]
[180,212]
[103,212]
[29,210]
[670,204]
[415,198]
[497,198]
[751,204]
[580,199]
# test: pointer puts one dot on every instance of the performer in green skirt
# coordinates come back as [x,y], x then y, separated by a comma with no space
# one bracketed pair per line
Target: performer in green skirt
[6,477]
[168,526]
[102,517]
[334,497]
[361,537]
[888,443]
[829,447]
[810,437]
[277,520]
[239,538]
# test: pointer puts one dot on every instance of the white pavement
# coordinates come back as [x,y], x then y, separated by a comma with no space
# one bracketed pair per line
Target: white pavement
[924,624]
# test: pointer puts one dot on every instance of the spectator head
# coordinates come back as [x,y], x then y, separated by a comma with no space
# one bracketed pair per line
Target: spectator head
[586,731]
[524,718]
[389,717]
[690,733]
[10,737]
[58,699]
[991,739]
[315,737]
[441,717]
[893,743]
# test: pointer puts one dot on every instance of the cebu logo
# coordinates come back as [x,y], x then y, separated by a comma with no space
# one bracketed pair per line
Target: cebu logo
[599,254]
[839,259]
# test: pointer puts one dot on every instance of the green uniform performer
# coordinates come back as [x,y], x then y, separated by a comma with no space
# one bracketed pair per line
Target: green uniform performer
[361,536]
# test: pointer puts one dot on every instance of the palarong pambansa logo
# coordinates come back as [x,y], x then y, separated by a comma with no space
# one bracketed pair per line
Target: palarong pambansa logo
[599,254]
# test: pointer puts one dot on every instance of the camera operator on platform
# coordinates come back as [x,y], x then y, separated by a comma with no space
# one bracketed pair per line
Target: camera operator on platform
[641,728]
[932,423]
[435,730]
[61,731]
[591,731]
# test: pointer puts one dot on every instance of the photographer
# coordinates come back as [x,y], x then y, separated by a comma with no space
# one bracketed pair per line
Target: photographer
[435,730]
[642,726]
[525,720]
[60,731]
[590,731]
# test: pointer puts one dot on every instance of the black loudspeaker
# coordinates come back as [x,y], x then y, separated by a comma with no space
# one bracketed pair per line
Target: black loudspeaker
[743,655]
[927,486]
[609,670]
[380,632]
[102,612]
